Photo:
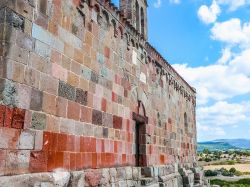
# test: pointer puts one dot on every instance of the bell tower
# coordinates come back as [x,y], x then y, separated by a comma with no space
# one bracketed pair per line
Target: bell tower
[136,12]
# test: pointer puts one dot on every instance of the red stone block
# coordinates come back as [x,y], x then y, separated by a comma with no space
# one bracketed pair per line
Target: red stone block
[46,141]
[38,161]
[107,52]
[93,145]
[162,159]
[62,142]
[8,117]
[116,147]
[72,161]
[78,159]
[66,160]
[117,122]
[124,159]
[110,159]
[82,146]
[94,160]
[103,160]
[51,160]
[99,160]
[71,143]
[87,144]
[2,115]
[59,160]
[83,161]
[18,118]
[53,141]
[104,105]
[88,160]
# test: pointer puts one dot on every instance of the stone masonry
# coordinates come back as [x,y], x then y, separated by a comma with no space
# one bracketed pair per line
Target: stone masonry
[85,100]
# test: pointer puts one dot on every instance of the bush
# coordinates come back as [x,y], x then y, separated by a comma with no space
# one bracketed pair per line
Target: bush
[240,183]
[208,159]
[226,173]
[238,173]
[210,173]
[232,170]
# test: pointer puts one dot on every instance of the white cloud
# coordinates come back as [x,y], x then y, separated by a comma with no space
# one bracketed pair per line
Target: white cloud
[216,82]
[213,120]
[241,63]
[175,1]
[157,4]
[234,4]
[209,14]
[211,132]
[226,56]
[223,113]
[232,32]
[230,76]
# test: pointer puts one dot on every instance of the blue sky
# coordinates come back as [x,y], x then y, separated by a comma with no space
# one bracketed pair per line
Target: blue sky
[208,43]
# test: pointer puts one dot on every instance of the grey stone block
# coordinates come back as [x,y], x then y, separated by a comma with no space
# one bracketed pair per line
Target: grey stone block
[67,91]
[36,100]
[8,93]
[81,96]
[38,121]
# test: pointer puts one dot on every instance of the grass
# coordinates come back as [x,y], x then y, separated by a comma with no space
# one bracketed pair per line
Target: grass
[240,183]
[238,167]
[226,162]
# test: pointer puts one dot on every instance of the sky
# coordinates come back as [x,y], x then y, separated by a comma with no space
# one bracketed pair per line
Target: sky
[208,43]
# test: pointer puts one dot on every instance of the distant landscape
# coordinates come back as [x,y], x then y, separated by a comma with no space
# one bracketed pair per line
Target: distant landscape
[226,161]
[224,145]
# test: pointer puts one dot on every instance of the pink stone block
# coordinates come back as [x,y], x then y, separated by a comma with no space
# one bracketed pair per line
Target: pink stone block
[97,102]
[59,72]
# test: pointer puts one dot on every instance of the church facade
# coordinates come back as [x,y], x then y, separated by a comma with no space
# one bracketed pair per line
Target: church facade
[85,100]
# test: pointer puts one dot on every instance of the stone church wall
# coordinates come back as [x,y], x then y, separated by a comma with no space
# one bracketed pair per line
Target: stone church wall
[76,81]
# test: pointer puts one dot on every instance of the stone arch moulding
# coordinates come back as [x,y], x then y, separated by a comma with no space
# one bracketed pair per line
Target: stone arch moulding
[140,115]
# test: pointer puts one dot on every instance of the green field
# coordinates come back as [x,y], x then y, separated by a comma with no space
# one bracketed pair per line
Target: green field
[240,183]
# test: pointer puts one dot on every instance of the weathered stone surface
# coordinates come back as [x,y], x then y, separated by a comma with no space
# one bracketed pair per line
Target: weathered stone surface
[36,100]
[8,93]
[92,177]
[97,117]
[58,178]
[67,91]
[81,96]
[12,18]
[77,179]
[27,140]
[38,121]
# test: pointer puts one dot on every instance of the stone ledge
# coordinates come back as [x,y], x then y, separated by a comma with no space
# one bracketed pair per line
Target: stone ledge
[117,177]
[169,177]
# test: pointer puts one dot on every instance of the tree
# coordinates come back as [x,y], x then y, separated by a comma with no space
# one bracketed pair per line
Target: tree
[206,151]
[232,170]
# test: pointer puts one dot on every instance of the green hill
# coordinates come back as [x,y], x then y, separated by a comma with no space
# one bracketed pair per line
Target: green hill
[215,146]
[224,144]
